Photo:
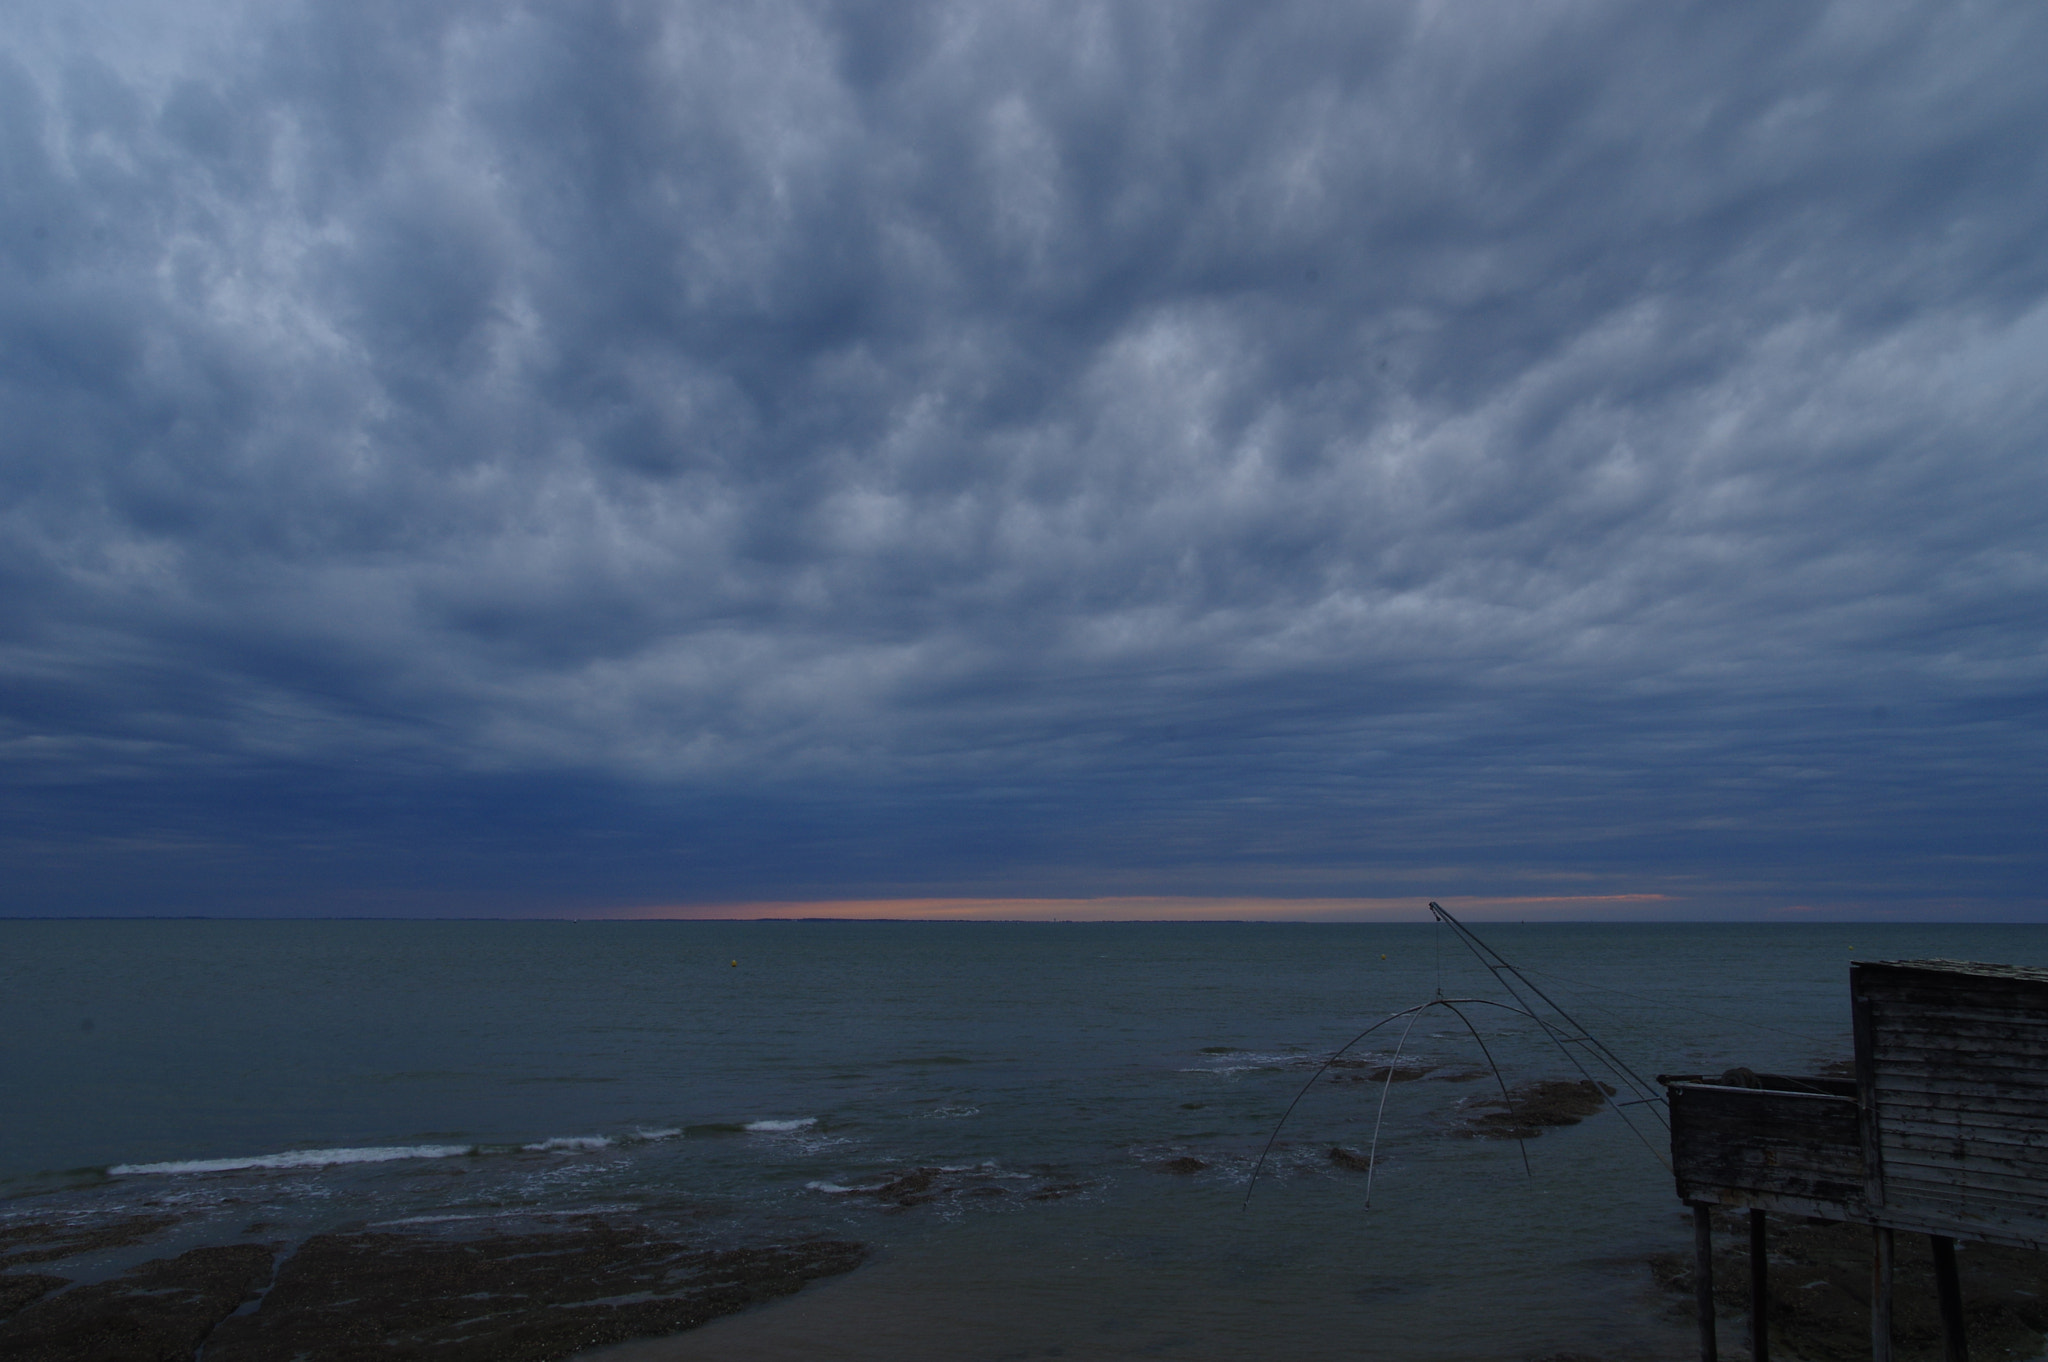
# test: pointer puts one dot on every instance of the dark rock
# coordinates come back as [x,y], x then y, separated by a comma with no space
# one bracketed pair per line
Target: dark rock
[1350,1158]
[1186,1163]
[159,1312]
[921,1185]
[46,1241]
[1820,1291]
[1532,1107]
[911,1189]
[513,1298]
[1059,1191]
[1399,1073]
[17,1290]
[1369,1072]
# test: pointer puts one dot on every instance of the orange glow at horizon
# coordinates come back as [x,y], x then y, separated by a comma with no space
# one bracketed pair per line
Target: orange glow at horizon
[1163,908]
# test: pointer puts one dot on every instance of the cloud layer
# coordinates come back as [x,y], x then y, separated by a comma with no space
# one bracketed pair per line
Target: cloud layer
[1039,448]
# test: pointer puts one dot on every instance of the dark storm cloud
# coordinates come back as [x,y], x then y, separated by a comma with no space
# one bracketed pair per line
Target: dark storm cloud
[1062,447]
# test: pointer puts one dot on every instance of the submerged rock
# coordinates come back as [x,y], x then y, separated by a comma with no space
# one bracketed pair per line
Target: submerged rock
[1059,1191]
[911,1189]
[1186,1163]
[1367,1071]
[159,1312]
[1533,1107]
[1350,1158]
[917,1186]
[1371,1071]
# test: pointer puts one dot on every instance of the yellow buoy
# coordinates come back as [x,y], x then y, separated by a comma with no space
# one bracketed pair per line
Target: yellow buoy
[735,964]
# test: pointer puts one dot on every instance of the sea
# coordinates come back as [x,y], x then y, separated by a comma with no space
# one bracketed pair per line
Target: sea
[1088,1101]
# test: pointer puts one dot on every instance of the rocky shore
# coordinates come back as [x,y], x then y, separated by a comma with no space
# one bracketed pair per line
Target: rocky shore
[546,1292]
[1820,1292]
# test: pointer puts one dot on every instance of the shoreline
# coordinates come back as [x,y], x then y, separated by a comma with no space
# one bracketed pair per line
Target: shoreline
[542,1292]
[612,1288]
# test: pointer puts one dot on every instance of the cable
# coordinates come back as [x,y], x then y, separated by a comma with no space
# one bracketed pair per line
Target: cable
[1680,1006]
[1641,1090]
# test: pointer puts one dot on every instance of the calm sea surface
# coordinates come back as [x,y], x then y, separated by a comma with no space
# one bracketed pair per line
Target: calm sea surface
[272,1077]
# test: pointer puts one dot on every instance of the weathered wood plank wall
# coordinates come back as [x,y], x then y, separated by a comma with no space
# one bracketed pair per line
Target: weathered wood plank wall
[1954,1061]
[1764,1149]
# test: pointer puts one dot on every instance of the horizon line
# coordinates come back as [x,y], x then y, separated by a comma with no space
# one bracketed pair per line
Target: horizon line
[1645,908]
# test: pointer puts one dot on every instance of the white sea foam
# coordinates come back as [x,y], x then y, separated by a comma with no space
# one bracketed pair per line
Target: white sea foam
[326,1158]
[837,1189]
[299,1158]
[523,1213]
[568,1144]
[778,1127]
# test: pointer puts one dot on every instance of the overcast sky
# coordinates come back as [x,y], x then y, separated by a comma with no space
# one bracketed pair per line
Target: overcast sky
[632,457]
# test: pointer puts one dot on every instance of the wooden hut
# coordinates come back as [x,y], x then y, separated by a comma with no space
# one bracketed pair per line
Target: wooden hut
[1942,1131]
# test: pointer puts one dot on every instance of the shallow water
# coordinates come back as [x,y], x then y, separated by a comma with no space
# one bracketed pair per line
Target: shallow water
[295,1076]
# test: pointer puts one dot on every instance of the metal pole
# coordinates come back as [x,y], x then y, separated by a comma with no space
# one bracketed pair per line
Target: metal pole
[1881,1295]
[1759,1291]
[1949,1287]
[1703,1277]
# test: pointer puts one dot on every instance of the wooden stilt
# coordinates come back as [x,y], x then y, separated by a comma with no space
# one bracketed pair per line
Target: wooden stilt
[1759,1292]
[1703,1276]
[1881,1295]
[1949,1287]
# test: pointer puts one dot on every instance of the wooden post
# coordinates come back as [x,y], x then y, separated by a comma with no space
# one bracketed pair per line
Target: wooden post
[1881,1295]
[1703,1276]
[1949,1287]
[1759,1291]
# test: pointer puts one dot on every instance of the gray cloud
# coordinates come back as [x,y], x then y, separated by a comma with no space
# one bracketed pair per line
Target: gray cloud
[1152,446]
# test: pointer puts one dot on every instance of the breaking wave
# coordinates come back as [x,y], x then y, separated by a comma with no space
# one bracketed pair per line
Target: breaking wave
[299,1158]
[330,1158]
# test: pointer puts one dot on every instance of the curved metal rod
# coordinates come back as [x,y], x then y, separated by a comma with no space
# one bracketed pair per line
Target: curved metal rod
[1372,1155]
[1521,1141]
